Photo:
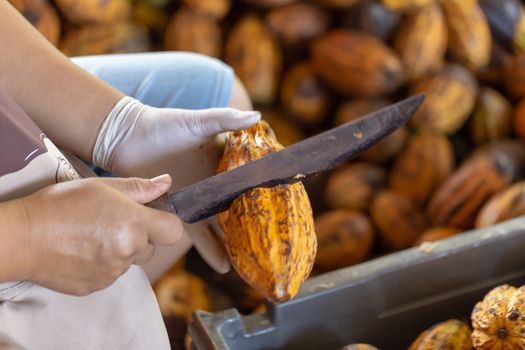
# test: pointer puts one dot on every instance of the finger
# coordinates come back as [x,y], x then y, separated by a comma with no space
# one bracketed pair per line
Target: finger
[138,189]
[209,246]
[145,255]
[209,122]
[163,228]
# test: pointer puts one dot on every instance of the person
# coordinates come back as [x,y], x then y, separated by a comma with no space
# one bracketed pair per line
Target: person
[72,250]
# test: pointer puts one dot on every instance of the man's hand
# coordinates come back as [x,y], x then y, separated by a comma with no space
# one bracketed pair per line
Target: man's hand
[82,235]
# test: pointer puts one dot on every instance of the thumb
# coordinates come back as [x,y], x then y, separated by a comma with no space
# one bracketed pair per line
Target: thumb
[209,122]
[140,190]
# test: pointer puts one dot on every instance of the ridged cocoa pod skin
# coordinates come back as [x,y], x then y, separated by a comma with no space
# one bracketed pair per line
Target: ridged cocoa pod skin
[285,131]
[360,346]
[95,11]
[506,205]
[507,21]
[42,16]
[437,233]
[298,24]
[422,166]
[372,17]
[385,149]
[489,170]
[256,57]
[344,238]
[422,41]
[518,119]
[515,76]
[213,9]
[498,319]
[268,232]
[406,5]
[399,221]
[492,118]
[451,97]
[101,39]
[357,64]
[469,37]
[187,31]
[354,186]
[304,96]
[452,334]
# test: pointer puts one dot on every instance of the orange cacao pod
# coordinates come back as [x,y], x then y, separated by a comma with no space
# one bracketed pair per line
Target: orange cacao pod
[344,238]
[451,96]
[354,186]
[489,170]
[399,220]
[492,118]
[355,63]
[422,41]
[42,16]
[515,76]
[213,9]
[451,334]
[508,204]
[268,232]
[406,5]
[187,31]
[422,166]
[437,233]
[518,119]
[256,58]
[95,11]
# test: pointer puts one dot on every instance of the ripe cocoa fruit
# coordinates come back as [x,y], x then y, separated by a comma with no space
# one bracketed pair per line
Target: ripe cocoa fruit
[406,5]
[508,204]
[254,54]
[372,17]
[507,21]
[437,233]
[358,64]
[187,31]
[214,9]
[498,320]
[354,186]
[451,97]
[515,76]
[489,170]
[399,221]
[95,11]
[268,232]
[451,334]
[422,166]
[304,96]
[492,118]
[422,41]
[344,238]
[102,39]
[42,16]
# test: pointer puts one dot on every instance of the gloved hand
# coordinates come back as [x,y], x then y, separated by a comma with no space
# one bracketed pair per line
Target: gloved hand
[140,140]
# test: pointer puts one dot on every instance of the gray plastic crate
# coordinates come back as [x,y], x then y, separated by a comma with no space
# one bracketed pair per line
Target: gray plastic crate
[386,302]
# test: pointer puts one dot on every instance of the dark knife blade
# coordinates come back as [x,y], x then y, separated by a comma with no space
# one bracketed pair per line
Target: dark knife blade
[308,157]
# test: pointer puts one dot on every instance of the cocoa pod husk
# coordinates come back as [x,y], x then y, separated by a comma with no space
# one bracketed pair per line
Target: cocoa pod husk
[451,334]
[492,117]
[506,205]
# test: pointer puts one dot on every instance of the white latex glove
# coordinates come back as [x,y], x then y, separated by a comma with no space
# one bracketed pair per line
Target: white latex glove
[140,140]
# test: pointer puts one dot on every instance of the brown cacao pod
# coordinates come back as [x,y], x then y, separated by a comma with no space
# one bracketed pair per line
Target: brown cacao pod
[268,3]
[42,16]
[101,39]
[519,119]
[255,56]
[507,21]
[451,97]
[422,166]
[406,5]
[437,233]
[505,205]
[344,238]
[515,76]
[268,232]
[372,17]
[359,346]
[304,96]
[422,41]
[285,131]
[355,63]
[494,73]
[354,186]
[298,24]
[400,222]
[469,38]
[451,334]
[181,293]
[489,170]
[187,31]
[385,149]
[213,9]
[498,320]
[95,11]
[492,118]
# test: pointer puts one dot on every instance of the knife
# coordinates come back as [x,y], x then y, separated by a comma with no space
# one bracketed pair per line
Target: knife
[289,165]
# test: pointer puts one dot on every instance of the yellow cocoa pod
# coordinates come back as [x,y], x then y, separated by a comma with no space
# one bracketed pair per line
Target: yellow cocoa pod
[451,334]
[492,118]
[406,5]
[498,320]
[451,97]
[422,41]
[505,205]
[42,16]
[95,11]
[268,232]
[469,38]
[213,9]
[422,166]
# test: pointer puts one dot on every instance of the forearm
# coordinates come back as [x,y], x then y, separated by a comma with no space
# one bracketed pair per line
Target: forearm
[14,262]
[66,102]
